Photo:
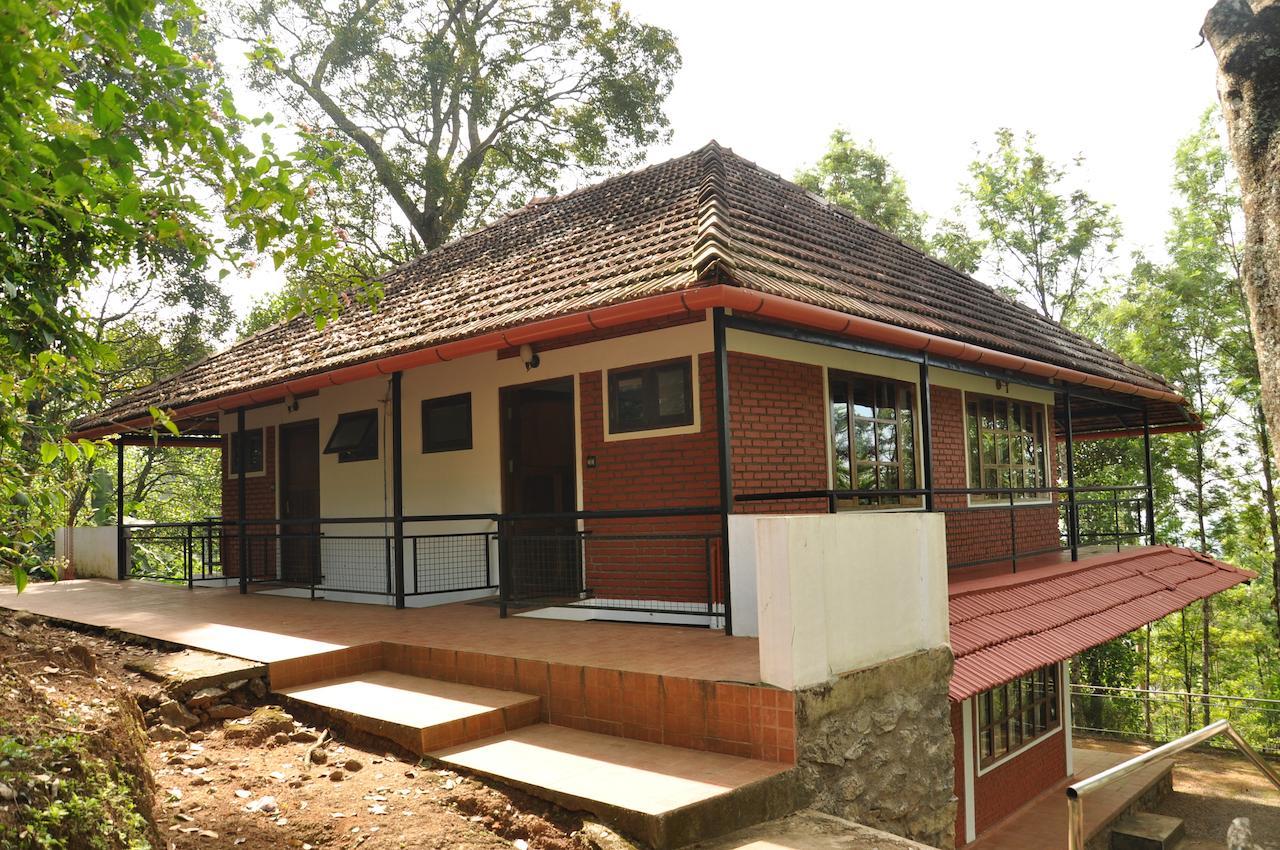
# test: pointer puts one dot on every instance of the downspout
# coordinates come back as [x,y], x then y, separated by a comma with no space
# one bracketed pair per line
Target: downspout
[725,459]
[242,464]
[1146,454]
[397,484]
[122,549]
[1073,519]
[926,435]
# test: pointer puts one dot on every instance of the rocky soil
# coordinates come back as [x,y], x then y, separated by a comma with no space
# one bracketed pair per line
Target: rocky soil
[227,766]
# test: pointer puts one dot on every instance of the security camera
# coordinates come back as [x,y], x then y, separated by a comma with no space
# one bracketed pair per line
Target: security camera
[529,356]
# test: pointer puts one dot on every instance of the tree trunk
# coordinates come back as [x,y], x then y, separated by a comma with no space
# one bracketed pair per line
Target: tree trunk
[1269,501]
[1245,37]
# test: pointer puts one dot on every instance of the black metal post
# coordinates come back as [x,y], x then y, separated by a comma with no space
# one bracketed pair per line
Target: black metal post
[1013,533]
[504,566]
[725,456]
[397,482]
[122,548]
[242,465]
[1073,520]
[1151,496]
[926,437]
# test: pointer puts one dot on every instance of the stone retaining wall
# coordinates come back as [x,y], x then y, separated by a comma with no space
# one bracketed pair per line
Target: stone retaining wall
[875,746]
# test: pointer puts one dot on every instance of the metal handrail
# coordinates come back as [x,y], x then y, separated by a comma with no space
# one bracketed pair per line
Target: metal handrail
[1076,791]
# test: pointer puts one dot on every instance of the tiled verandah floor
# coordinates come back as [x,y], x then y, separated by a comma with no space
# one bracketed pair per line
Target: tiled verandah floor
[271,628]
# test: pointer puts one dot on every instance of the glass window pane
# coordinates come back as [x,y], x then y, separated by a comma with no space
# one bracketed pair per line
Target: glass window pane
[863,398]
[886,443]
[446,423]
[864,440]
[673,391]
[628,400]
[866,477]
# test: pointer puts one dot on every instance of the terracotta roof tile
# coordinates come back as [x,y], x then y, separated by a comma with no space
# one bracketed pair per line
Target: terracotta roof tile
[657,230]
[1005,628]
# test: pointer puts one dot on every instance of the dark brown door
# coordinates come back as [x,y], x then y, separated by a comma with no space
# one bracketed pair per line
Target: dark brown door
[300,499]
[539,477]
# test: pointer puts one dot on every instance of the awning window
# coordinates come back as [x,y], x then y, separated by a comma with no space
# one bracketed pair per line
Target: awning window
[355,437]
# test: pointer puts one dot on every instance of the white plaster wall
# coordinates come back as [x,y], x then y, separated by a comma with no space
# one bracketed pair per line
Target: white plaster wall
[840,592]
[92,552]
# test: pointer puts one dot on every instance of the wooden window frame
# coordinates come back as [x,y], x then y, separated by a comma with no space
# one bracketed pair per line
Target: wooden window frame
[428,447]
[1022,721]
[653,420]
[250,434]
[1007,474]
[903,431]
[356,455]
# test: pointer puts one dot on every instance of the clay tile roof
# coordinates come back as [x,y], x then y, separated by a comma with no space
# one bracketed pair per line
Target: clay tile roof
[708,216]
[1010,625]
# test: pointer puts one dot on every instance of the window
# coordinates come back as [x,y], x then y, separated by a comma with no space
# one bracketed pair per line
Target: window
[657,396]
[355,437]
[1006,447]
[872,428]
[1017,713]
[253,462]
[446,423]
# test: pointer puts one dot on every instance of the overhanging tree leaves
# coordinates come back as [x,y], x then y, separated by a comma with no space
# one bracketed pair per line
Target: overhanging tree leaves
[462,106]
[860,179]
[1245,37]
[110,134]
[1043,240]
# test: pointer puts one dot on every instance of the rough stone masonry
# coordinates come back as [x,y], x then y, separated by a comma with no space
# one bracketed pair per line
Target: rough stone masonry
[875,746]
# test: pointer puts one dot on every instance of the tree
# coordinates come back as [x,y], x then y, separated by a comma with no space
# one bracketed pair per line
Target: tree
[111,133]
[1245,37]
[460,107]
[860,179]
[1043,241]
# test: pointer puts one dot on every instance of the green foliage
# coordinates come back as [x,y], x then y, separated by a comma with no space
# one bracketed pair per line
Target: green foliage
[860,179]
[112,135]
[70,799]
[453,111]
[1044,241]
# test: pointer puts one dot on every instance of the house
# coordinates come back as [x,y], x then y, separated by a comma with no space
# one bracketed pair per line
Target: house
[696,394]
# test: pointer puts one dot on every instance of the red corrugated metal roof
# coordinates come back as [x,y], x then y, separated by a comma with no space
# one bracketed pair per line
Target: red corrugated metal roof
[1007,626]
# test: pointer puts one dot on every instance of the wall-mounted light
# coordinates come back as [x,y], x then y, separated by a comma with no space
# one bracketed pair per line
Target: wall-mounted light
[290,401]
[529,357]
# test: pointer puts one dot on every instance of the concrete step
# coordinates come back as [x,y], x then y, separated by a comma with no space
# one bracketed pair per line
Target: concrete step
[665,796]
[1146,831]
[419,714]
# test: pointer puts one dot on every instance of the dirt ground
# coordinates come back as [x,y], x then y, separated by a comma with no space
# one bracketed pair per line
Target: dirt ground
[214,792]
[1210,789]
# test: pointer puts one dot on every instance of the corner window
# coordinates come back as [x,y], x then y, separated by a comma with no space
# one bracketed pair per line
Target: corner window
[649,397]
[1017,713]
[253,461]
[873,437]
[1006,447]
[355,437]
[446,423]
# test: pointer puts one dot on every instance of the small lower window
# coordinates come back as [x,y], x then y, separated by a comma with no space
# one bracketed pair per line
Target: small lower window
[649,397]
[253,461]
[446,423]
[1016,713]
[355,437]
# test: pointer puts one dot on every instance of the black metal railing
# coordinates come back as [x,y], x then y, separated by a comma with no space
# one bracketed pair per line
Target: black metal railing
[1087,516]
[656,561]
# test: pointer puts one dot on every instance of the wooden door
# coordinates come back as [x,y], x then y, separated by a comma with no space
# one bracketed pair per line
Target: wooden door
[300,500]
[540,477]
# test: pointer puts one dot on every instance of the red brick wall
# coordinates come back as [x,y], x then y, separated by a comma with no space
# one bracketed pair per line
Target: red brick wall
[1000,792]
[260,498]
[779,443]
[679,470]
[779,437]
[982,533]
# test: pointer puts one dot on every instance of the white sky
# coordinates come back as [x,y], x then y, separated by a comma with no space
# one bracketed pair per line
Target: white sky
[1119,81]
